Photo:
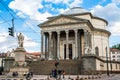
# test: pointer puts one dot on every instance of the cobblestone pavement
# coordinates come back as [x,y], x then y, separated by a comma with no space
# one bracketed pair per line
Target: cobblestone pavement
[67,77]
[112,77]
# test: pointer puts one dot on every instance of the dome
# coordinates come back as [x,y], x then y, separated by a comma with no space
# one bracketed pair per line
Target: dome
[75,10]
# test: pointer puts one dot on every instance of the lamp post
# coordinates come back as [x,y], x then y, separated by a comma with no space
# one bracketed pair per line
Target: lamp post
[2,59]
[107,62]
[110,63]
[1,67]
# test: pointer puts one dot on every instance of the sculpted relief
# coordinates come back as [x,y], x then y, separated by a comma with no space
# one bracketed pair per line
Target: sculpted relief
[61,20]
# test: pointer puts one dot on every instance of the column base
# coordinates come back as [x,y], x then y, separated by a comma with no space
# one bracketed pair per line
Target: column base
[67,58]
[50,58]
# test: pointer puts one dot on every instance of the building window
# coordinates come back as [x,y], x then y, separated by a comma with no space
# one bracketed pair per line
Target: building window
[113,52]
[97,51]
[118,56]
[113,56]
[118,59]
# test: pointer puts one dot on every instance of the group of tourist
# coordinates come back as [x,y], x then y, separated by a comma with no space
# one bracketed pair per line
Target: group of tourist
[57,73]
[29,75]
[15,74]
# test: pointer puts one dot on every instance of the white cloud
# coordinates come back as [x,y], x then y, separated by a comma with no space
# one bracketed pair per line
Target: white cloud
[59,1]
[54,1]
[115,29]
[7,43]
[28,42]
[29,8]
[116,1]
[111,13]
[76,3]
[62,10]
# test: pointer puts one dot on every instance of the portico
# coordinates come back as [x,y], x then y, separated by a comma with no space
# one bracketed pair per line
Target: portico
[65,44]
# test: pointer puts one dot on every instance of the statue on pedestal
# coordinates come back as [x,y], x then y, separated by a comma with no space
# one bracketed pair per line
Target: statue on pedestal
[20,40]
[20,65]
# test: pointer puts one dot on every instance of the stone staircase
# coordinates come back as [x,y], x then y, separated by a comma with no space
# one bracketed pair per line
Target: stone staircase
[71,67]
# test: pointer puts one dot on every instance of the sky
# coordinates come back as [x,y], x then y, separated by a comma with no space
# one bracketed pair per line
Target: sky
[27,14]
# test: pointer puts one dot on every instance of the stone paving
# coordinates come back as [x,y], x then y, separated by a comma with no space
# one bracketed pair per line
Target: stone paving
[67,77]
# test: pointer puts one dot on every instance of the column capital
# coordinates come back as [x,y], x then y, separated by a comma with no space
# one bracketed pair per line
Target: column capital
[50,32]
[67,31]
[75,30]
[58,32]
[85,30]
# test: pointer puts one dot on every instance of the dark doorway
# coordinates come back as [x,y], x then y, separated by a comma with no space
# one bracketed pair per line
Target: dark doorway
[64,51]
[70,51]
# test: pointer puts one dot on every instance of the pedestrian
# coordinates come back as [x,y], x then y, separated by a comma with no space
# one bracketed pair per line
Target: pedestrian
[55,73]
[28,76]
[63,73]
[59,73]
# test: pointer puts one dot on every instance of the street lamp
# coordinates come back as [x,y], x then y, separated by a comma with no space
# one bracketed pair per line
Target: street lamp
[110,63]
[107,62]
[1,67]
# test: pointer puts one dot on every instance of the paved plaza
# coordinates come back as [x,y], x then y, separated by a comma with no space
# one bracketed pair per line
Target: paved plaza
[67,77]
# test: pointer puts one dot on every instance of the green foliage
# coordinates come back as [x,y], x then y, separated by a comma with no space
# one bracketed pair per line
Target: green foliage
[117,46]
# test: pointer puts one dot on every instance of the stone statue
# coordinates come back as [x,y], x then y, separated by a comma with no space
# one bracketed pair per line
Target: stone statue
[20,40]
[86,49]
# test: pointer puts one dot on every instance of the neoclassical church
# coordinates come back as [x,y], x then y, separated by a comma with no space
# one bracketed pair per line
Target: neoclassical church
[77,34]
[74,33]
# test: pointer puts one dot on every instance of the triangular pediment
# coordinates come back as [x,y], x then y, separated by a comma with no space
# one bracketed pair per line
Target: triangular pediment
[62,19]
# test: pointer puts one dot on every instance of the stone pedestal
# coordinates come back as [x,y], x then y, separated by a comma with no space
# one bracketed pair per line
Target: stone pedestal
[19,66]
[20,70]
[20,56]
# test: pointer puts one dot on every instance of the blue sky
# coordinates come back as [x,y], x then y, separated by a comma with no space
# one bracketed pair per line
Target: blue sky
[28,14]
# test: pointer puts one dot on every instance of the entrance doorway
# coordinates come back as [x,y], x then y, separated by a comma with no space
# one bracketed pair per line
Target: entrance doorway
[64,51]
[70,53]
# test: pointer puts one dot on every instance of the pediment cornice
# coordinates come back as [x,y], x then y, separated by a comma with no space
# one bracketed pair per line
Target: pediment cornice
[61,20]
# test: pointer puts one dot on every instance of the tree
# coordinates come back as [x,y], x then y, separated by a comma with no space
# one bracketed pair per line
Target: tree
[117,46]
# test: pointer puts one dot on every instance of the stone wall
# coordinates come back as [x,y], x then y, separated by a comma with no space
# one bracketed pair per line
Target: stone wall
[8,63]
[88,64]
[92,64]
[45,67]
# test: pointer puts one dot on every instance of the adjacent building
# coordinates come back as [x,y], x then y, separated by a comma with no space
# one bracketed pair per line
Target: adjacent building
[115,54]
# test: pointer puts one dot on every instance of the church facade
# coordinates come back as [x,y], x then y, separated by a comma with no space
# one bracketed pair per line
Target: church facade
[76,35]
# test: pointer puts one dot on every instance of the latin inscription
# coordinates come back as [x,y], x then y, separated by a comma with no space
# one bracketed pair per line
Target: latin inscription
[81,26]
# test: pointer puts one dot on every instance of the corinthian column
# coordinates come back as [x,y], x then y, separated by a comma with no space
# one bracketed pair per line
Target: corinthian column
[85,42]
[67,49]
[90,41]
[50,45]
[76,42]
[58,45]
[46,47]
[42,55]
